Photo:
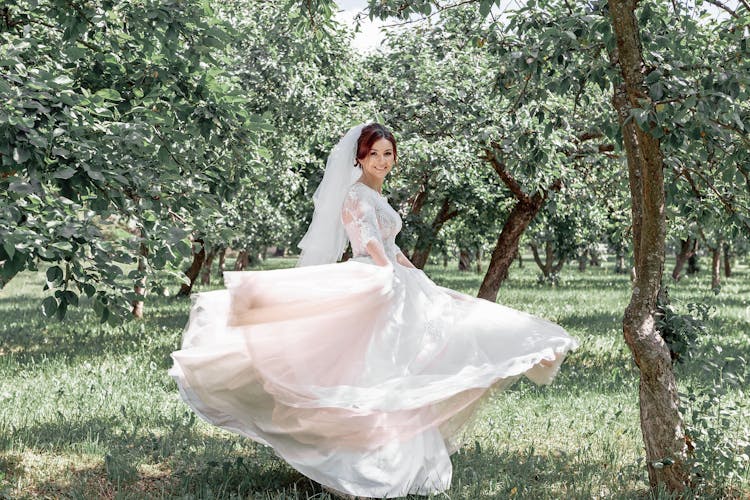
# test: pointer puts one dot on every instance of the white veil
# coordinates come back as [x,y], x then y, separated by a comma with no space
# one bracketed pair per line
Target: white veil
[325,240]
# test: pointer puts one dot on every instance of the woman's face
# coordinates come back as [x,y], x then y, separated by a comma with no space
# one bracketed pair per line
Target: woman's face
[379,161]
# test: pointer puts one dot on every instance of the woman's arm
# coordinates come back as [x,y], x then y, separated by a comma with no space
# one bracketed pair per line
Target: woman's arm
[401,259]
[377,253]
[358,217]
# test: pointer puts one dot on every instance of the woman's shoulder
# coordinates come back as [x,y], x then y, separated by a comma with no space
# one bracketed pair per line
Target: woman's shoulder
[359,190]
[361,197]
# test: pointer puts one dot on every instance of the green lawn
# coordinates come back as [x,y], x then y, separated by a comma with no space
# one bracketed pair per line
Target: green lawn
[88,411]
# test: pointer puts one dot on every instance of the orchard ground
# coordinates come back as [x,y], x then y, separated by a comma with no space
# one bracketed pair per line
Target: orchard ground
[88,410]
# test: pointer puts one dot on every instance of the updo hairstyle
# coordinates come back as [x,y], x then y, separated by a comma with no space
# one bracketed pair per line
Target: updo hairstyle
[370,134]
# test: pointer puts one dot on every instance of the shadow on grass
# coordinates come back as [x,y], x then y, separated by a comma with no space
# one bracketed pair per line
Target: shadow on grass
[596,323]
[31,338]
[134,463]
[536,474]
[254,472]
[229,479]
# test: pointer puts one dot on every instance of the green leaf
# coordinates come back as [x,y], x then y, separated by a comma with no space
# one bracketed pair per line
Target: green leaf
[74,52]
[54,274]
[183,248]
[49,307]
[63,80]
[109,95]
[96,175]
[20,187]
[105,314]
[71,297]
[64,173]
[62,309]
[484,8]
[9,248]
[20,155]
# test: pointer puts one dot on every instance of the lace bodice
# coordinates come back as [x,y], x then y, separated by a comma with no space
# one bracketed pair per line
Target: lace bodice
[367,217]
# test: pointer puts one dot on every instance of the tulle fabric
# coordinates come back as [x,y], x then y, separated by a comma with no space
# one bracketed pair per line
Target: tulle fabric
[361,377]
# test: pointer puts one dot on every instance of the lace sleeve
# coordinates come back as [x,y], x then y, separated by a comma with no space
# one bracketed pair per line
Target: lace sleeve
[358,216]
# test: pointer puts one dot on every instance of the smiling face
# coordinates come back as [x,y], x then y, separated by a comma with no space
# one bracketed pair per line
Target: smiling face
[379,160]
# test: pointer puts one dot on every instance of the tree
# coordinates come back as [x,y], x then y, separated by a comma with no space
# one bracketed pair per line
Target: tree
[512,123]
[661,422]
[113,112]
[669,104]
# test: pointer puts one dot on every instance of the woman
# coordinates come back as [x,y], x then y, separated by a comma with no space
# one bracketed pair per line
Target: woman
[362,375]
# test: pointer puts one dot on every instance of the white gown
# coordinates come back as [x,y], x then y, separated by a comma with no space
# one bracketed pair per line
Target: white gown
[361,377]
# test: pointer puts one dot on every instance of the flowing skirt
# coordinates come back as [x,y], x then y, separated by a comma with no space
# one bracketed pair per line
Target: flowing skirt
[361,377]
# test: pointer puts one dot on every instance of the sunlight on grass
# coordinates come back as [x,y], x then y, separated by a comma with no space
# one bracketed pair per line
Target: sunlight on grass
[88,411]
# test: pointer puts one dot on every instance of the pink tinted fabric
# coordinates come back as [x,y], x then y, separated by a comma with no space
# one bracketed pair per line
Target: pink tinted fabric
[364,378]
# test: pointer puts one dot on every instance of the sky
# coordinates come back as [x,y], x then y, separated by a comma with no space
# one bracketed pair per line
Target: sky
[371,35]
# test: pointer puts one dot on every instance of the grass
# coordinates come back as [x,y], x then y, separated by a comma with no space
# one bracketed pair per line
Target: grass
[88,411]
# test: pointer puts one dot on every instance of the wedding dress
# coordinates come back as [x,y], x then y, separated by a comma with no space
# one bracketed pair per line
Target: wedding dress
[361,377]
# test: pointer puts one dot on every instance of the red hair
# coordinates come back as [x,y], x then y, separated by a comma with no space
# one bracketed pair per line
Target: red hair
[370,135]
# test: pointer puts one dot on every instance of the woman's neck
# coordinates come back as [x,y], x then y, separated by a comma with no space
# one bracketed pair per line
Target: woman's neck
[373,183]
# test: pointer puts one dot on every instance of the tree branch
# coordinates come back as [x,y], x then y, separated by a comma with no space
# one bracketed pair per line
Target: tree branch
[720,5]
[438,11]
[50,26]
[686,174]
[520,95]
[724,202]
[81,13]
[745,174]
[741,133]
[508,179]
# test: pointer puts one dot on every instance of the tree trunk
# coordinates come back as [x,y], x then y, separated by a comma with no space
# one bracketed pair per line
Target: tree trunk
[687,249]
[558,267]
[195,268]
[421,254]
[583,260]
[464,260]
[693,266]
[423,246]
[727,261]
[479,254]
[507,245]
[716,266]
[254,258]
[537,258]
[348,254]
[520,257]
[206,274]
[222,260]
[140,285]
[419,200]
[242,259]
[661,423]
[595,259]
[525,209]
[547,265]
[620,261]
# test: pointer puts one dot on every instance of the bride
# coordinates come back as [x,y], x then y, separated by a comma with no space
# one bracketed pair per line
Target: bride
[362,375]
